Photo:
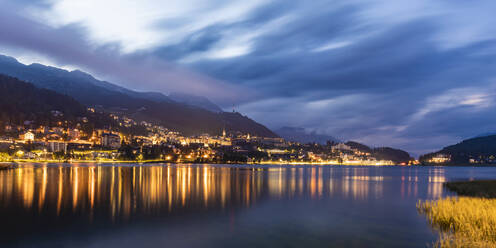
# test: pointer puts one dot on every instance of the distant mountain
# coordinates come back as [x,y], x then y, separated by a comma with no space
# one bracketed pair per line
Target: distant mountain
[20,101]
[485,134]
[89,90]
[82,86]
[382,153]
[197,101]
[154,96]
[194,121]
[185,116]
[387,153]
[481,149]
[298,134]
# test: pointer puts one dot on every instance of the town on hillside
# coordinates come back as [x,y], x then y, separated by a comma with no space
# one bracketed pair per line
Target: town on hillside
[67,141]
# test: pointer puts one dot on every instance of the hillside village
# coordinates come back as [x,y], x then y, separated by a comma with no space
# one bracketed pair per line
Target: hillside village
[64,142]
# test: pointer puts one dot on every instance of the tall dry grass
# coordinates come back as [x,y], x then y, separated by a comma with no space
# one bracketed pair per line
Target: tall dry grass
[462,221]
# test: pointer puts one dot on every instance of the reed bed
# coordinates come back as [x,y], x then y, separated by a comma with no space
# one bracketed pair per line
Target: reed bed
[462,221]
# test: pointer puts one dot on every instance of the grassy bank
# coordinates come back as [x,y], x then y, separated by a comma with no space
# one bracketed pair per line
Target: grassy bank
[485,188]
[462,221]
[465,221]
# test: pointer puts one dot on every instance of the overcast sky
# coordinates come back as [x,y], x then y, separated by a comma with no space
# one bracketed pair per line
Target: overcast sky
[417,75]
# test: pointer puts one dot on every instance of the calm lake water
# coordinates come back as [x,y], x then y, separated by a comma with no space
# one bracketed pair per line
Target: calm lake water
[157,205]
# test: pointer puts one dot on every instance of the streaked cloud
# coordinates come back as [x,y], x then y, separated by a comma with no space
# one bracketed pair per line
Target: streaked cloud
[332,45]
[411,74]
[460,97]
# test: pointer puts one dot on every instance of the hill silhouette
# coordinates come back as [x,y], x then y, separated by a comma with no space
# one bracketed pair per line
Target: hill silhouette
[189,119]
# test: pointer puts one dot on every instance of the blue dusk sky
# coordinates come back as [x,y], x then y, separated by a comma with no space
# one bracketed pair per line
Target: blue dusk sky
[416,75]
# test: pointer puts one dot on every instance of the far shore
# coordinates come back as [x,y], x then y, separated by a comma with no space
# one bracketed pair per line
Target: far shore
[457,165]
[56,161]
[20,161]
[9,164]
[476,188]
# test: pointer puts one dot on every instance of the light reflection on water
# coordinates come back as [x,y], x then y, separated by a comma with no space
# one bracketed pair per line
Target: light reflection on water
[124,190]
[119,194]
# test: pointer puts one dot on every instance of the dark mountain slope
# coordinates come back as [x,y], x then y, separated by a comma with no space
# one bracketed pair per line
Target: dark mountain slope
[235,122]
[194,121]
[482,149]
[300,135]
[359,146]
[197,101]
[382,153]
[20,101]
[387,153]
[89,91]
[81,86]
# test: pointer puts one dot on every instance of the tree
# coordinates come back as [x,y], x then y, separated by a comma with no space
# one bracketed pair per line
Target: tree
[5,157]
[234,157]
[126,152]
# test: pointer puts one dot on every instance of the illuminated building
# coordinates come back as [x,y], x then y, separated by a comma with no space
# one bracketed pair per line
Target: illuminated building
[440,158]
[74,133]
[29,136]
[341,147]
[111,140]
[57,146]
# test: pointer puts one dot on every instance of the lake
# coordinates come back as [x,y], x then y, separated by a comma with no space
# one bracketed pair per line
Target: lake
[167,205]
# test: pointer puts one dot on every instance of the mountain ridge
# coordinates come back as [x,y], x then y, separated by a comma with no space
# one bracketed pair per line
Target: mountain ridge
[21,101]
[35,72]
[478,150]
[192,120]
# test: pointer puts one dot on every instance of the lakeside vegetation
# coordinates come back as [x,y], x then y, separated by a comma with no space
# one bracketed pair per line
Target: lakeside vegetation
[483,188]
[465,221]
[462,221]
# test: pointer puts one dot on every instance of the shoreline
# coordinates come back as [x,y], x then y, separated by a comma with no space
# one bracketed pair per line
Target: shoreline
[458,165]
[476,188]
[7,165]
[15,162]
[467,219]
